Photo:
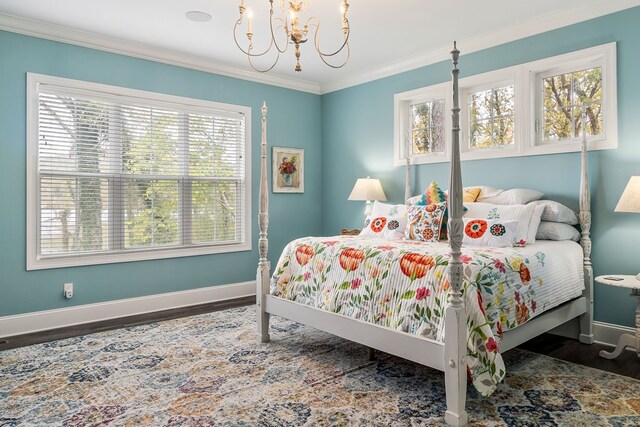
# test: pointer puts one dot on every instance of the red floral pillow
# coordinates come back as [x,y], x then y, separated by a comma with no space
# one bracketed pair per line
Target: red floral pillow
[386,221]
[487,232]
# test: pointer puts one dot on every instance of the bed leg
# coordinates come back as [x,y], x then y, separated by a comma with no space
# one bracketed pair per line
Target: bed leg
[262,288]
[586,320]
[455,374]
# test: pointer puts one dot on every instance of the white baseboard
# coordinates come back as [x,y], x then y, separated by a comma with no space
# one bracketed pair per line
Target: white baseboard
[609,334]
[59,318]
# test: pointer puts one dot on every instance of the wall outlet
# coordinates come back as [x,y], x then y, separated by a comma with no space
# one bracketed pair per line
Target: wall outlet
[68,290]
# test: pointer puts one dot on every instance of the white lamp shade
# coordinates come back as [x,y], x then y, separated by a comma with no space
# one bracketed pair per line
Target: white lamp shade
[367,189]
[630,199]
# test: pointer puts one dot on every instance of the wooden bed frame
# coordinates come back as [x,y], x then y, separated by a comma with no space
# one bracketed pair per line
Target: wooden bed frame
[450,356]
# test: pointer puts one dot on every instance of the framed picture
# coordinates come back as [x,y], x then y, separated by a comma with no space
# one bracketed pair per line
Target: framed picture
[288,170]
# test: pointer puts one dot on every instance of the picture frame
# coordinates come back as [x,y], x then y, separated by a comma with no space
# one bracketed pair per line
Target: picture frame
[287,170]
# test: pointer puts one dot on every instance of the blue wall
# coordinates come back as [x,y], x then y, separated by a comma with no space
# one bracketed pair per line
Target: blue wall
[294,121]
[357,140]
[345,134]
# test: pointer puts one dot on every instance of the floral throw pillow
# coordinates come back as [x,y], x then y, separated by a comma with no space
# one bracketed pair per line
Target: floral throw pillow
[386,221]
[424,222]
[487,232]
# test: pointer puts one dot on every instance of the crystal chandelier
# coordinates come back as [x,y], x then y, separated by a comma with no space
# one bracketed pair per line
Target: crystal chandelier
[287,29]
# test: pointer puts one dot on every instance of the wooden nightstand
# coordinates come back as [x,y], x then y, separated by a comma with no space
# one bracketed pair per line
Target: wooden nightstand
[626,340]
[347,232]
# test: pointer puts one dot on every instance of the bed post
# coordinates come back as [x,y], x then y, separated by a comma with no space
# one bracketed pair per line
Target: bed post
[455,321]
[407,175]
[586,320]
[262,277]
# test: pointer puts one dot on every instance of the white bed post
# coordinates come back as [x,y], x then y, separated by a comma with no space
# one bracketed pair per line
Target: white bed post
[262,277]
[407,175]
[455,321]
[586,320]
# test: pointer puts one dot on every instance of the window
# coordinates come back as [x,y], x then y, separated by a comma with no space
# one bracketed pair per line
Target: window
[528,109]
[563,98]
[427,127]
[121,175]
[421,123]
[491,119]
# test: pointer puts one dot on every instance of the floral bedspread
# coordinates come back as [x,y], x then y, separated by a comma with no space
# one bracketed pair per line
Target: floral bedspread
[404,285]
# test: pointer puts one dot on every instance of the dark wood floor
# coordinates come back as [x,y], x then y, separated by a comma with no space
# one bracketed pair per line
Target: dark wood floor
[628,363]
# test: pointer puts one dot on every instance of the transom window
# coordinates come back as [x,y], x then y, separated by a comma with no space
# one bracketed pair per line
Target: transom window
[491,117]
[528,109]
[427,127]
[564,96]
[122,175]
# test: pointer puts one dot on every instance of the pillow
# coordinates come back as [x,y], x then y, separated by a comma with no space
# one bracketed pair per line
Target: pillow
[488,232]
[535,222]
[557,212]
[520,213]
[557,231]
[386,221]
[515,196]
[424,222]
[470,195]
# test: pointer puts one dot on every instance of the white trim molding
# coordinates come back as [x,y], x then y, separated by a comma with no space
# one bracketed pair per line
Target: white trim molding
[506,34]
[58,33]
[63,317]
[609,334]
[476,43]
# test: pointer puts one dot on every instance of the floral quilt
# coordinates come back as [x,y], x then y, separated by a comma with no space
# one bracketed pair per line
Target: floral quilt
[404,285]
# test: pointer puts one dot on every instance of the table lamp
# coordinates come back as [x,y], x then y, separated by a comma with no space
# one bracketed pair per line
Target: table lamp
[367,189]
[630,199]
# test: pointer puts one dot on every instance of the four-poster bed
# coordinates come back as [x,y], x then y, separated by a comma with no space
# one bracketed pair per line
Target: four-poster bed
[450,354]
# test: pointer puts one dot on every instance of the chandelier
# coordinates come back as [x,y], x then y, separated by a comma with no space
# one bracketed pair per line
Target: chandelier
[287,30]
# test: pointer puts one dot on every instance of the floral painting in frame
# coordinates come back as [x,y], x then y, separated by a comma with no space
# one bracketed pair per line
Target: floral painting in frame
[288,170]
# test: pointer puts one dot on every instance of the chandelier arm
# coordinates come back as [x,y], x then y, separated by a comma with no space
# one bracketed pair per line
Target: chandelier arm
[316,39]
[248,52]
[282,25]
[266,69]
[336,66]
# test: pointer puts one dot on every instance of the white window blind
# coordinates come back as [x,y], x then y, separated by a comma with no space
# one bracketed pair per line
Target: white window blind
[122,172]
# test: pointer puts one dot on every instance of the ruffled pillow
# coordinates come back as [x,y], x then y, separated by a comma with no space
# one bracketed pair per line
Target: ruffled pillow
[424,222]
[386,221]
[487,232]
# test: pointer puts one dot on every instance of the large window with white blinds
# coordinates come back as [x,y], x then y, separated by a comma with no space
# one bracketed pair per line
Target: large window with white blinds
[118,175]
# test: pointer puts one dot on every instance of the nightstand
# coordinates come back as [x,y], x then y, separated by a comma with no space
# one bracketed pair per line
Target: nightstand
[347,232]
[626,340]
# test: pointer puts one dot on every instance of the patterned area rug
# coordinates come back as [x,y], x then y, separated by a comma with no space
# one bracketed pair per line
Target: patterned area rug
[207,370]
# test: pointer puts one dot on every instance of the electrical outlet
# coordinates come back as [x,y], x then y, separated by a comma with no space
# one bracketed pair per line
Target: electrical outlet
[68,290]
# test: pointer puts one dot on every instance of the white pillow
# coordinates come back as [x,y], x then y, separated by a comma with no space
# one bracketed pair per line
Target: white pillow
[386,221]
[535,222]
[557,231]
[556,212]
[515,196]
[487,232]
[520,213]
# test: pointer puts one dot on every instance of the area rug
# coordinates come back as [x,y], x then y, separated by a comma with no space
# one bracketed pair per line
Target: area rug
[207,370]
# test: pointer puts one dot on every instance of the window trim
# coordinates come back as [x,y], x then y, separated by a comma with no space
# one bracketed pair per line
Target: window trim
[491,80]
[402,101]
[34,261]
[525,78]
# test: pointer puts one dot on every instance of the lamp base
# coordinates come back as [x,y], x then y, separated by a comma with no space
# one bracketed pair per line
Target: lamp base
[638,276]
[368,206]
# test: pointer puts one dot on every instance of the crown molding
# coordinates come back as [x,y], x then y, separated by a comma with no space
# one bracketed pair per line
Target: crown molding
[506,34]
[58,33]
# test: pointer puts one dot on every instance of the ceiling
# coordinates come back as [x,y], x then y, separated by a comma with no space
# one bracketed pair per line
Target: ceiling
[387,36]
